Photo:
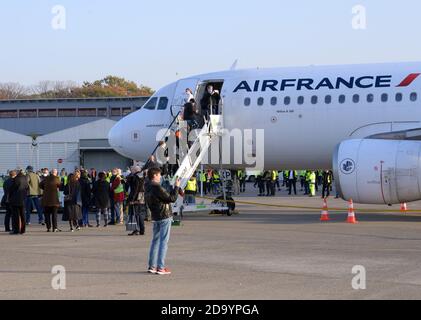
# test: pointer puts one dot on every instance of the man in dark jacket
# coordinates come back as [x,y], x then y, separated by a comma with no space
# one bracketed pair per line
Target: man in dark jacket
[101,192]
[5,201]
[136,200]
[210,101]
[159,202]
[86,194]
[17,196]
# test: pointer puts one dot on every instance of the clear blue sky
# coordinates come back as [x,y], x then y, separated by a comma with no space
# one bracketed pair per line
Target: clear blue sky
[156,42]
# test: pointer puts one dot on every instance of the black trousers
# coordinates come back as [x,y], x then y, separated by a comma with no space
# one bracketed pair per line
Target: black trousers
[326,190]
[292,184]
[139,211]
[242,185]
[261,185]
[50,214]
[270,186]
[18,219]
[7,218]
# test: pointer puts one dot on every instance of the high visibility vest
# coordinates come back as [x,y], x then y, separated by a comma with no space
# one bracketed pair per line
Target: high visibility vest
[312,177]
[202,177]
[119,189]
[191,185]
[216,178]
[308,173]
[64,180]
[274,175]
[240,174]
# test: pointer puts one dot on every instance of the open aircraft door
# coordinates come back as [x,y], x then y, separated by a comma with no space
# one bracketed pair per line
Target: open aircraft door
[180,94]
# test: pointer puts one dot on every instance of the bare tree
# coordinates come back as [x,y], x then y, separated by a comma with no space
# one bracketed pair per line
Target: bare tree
[10,91]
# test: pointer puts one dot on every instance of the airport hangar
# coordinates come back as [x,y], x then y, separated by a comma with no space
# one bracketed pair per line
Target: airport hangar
[62,133]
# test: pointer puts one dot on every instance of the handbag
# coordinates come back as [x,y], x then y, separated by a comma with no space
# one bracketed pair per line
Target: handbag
[130,224]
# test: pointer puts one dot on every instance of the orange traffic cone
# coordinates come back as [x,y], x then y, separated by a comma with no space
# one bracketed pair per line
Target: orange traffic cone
[351,213]
[404,207]
[325,211]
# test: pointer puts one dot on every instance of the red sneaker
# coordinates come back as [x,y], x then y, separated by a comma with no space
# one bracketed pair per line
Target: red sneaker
[164,272]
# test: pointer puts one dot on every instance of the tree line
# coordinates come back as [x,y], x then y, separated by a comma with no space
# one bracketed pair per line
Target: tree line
[110,86]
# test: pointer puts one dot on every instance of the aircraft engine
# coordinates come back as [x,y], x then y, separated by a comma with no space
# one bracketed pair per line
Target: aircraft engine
[378,171]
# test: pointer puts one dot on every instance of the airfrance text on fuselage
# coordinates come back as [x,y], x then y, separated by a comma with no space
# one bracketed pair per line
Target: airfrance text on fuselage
[365,82]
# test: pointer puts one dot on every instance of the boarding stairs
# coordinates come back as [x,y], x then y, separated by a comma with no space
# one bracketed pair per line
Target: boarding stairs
[194,157]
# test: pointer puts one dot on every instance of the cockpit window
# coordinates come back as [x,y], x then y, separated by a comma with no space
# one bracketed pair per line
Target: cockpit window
[163,103]
[151,104]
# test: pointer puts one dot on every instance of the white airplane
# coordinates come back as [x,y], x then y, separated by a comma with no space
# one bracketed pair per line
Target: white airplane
[362,121]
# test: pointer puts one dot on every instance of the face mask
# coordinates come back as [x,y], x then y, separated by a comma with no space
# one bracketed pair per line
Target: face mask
[46,174]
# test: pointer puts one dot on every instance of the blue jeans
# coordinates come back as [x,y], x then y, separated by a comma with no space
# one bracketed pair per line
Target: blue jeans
[33,201]
[190,198]
[85,215]
[159,245]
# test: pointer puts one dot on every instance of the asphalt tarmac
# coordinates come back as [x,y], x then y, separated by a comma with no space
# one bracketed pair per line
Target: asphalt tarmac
[260,253]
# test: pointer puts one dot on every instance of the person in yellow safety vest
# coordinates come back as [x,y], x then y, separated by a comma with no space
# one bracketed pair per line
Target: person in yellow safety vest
[202,182]
[312,178]
[216,182]
[271,183]
[241,174]
[191,190]
[108,179]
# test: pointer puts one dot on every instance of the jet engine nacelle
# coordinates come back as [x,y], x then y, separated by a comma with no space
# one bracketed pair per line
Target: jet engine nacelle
[378,171]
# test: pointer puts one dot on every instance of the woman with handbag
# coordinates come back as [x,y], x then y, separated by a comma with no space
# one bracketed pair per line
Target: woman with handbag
[73,201]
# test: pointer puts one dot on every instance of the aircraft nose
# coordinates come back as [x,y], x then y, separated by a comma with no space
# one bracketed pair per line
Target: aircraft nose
[115,137]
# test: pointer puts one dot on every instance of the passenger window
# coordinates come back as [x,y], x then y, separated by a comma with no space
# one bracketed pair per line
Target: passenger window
[274,101]
[385,97]
[151,104]
[247,102]
[328,99]
[300,100]
[356,98]
[260,102]
[287,101]
[314,99]
[163,103]
[414,96]
[370,98]
[342,98]
[399,97]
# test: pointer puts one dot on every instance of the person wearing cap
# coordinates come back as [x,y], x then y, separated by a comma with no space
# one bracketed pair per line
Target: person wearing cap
[34,194]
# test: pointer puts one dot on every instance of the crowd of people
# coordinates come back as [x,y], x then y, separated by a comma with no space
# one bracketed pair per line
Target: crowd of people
[310,182]
[110,194]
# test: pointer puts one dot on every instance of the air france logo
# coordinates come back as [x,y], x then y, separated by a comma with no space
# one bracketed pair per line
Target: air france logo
[365,82]
[347,166]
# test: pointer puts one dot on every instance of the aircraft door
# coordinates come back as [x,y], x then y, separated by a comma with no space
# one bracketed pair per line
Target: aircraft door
[180,94]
